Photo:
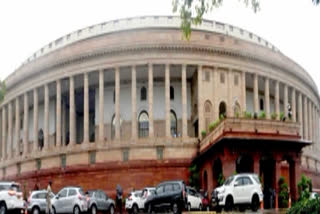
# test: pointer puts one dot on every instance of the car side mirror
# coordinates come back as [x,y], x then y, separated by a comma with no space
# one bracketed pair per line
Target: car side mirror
[57,197]
[236,183]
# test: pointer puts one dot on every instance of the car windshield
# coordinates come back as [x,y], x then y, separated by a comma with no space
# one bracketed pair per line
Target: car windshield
[255,177]
[228,181]
[81,191]
[15,187]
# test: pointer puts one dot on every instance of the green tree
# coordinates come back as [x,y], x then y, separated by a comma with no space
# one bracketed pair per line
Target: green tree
[283,193]
[304,187]
[192,11]
[2,90]
[194,176]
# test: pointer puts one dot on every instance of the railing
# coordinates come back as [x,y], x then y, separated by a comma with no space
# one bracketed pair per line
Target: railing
[146,22]
[247,127]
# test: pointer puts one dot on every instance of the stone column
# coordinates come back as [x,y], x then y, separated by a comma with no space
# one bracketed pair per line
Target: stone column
[134,103]
[72,115]
[46,117]
[25,125]
[4,132]
[285,100]
[35,120]
[300,114]
[244,91]
[86,109]
[167,98]
[117,102]
[101,105]
[150,99]
[267,97]
[184,101]
[277,99]
[200,103]
[64,119]
[310,120]
[58,122]
[305,118]
[293,105]
[9,143]
[255,93]
[230,103]
[17,126]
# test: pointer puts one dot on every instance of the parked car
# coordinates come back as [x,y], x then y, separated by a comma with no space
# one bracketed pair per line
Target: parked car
[99,201]
[37,201]
[194,199]
[136,200]
[169,195]
[70,200]
[11,199]
[239,190]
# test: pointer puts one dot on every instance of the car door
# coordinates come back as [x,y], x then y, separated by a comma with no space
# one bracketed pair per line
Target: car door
[70,200]
[59,200]
[237,190]
[42,200]
[247,189]
[193,199]
[158,199]
[168,195]
[102,202]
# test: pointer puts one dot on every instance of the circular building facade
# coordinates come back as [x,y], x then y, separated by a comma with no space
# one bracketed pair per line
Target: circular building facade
[131,102]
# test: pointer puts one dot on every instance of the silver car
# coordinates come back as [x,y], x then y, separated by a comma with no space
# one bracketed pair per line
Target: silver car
[70,200]
[99,201]
[37,202]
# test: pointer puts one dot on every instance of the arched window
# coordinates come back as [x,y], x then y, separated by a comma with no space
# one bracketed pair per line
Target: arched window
[173,123]
[222,109]
[143,93]
[113,126]
[207,114]
[261,105]
[143,124]
[171,93]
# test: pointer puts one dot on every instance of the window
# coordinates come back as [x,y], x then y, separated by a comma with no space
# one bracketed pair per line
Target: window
[246,181]
[4,171]
[173,122]
[236,79]
[168,188]
[239,181]
[125,154]
[63,193]
[143,94]
[92,157]
[171,93]
[176,187]
[207,114]
[222,78]
[222,109]
[38,162]
[159,152]
[63,161]
[160,190]
[19,168]
[261,105]
[143,124]
[72,192]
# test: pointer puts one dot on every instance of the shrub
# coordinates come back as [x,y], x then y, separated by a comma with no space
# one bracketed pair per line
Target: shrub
[237,115]
[262,115]
[281,115]
[304,187]
[211,126]
[283,193]
[222,116]
[274,116]
[247,114]
[194,176]
[203,133]
[221,179]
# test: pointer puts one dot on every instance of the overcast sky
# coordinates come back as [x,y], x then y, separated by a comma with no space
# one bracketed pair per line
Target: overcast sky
[26,26]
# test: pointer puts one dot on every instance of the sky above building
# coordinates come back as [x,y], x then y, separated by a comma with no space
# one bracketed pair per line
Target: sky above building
[26,26]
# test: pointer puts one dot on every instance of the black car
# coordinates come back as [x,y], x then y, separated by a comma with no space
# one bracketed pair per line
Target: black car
[169,195]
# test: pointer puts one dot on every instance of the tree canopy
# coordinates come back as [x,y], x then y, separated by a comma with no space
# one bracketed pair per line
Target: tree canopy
[192,11]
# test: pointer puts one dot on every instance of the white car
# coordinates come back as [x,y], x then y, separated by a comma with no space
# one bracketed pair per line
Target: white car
[11,198]
[135,200]
[70,200]
[241,190]
[194,199]
[37,201]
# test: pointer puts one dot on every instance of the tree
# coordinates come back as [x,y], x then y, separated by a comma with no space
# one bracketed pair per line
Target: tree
[2,90]
[194,175]
[192,11]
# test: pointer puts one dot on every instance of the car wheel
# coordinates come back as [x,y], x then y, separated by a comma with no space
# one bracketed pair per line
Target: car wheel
[76,210]
[111,211]
[255,203]
[93,209]
[200,207]
[189,207]
[35,210]
[135,209]
[229,203]
[175,208]
[3,208]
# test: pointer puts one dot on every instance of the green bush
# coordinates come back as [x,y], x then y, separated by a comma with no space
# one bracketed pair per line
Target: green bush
[211,126]
[222,116]
[221,179]
[247,114]
[281,115]
[214,124]
[274,116]
[203,133]
[194,176]
[283,193]
[237,115]
[262,115]
[304,187]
